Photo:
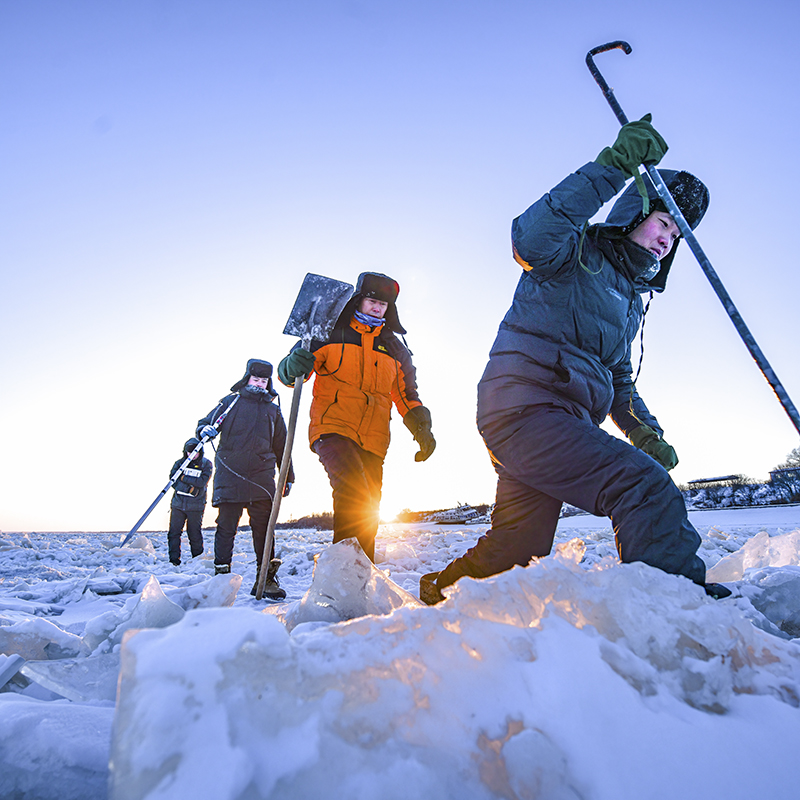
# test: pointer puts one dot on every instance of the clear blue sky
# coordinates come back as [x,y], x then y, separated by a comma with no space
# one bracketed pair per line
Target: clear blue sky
[171,170]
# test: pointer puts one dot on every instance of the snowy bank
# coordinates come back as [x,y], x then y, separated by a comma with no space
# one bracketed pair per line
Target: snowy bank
[575,677]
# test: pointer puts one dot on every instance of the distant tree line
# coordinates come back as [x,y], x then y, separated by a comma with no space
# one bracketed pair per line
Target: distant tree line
[320,522]
[782,487]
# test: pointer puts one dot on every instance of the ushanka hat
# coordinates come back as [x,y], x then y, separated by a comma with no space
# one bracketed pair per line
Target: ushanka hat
[256,368]
[690,195]
[375,286]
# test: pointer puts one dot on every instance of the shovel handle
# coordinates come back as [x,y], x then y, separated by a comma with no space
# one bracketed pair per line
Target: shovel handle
[286,460]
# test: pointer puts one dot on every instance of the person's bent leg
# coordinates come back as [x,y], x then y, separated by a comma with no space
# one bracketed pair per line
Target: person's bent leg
[523,525]
[568,457]
[228,515]
[354,507]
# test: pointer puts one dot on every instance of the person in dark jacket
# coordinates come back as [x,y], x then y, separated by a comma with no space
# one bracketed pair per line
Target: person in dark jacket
[561,363]
[188,502]
[252,438]
[359,372]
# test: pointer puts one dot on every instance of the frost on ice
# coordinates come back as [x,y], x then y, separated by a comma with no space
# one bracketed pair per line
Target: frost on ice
[529,684]
[346,585]
[472,698]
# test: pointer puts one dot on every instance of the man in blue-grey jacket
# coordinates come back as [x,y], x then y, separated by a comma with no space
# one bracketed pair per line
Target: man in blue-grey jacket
[561,363]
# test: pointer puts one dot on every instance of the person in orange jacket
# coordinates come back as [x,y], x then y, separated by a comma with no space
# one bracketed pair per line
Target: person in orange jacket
[359,372]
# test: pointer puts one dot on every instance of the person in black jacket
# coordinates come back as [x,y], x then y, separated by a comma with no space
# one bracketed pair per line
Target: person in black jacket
[252,438]
[188,502]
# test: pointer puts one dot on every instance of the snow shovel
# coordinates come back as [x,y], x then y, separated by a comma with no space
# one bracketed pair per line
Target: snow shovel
[175,475]
[319,303]
[688,235]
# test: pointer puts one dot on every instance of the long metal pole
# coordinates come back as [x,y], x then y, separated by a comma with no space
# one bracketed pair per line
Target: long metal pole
[694,245]
[178,472]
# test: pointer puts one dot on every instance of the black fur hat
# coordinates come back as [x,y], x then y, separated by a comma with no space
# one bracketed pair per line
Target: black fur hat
[690,195]
[378,287]
[258,369]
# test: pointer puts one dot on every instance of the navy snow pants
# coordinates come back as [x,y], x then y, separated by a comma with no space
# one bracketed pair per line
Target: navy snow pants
[194,522]
[547,455]
[228,516]
[356,477]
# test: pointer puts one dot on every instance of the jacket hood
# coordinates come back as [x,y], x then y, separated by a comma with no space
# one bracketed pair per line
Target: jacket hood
[690,195]
[260,369]
[380,287]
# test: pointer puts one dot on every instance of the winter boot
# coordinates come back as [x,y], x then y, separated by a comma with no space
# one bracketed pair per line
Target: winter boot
[428,590]
[222,569]
[717,591]
[272,589]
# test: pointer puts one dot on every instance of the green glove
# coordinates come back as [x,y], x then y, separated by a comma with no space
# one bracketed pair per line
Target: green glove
[298,363]
[637,143]
[648,441]
[418,421]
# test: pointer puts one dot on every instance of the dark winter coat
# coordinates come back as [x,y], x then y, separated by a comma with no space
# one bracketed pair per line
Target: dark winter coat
[190,489]
[251,442]
[569,330]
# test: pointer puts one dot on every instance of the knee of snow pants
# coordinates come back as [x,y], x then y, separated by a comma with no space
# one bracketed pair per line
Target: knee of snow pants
[549,452]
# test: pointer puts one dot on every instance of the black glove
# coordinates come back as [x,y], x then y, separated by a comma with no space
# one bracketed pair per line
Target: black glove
[287,487]
[637,143]
[298,363]
[648,441]
[418,421]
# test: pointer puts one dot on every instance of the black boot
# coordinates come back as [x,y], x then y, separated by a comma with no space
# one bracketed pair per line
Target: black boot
[222,569]
[717,591]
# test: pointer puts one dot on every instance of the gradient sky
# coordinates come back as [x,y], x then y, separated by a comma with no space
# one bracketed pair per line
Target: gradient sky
[171,170]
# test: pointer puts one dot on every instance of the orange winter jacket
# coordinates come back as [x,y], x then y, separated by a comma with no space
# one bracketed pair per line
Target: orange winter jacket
[358,374]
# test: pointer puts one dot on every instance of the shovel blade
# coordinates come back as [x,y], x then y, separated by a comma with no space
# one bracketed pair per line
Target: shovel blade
[318,305]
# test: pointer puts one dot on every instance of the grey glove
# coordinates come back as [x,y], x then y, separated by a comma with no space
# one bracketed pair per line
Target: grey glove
[418,421]
[208,432]
[648,441]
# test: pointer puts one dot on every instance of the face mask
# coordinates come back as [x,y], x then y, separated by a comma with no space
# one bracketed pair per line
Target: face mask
[366,319]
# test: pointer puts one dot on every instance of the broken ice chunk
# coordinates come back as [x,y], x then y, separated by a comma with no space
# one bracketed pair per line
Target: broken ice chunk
[762,550]
[150,609]
[346,585]
[40,640]
[9,667]
[81,680]
[217,592]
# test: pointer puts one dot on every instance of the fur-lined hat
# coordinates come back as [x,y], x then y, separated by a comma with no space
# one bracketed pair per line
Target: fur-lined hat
[258,369]
[378,287]
[690,195]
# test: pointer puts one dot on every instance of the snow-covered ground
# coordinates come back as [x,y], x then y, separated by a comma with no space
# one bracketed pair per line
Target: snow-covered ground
[576,677]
